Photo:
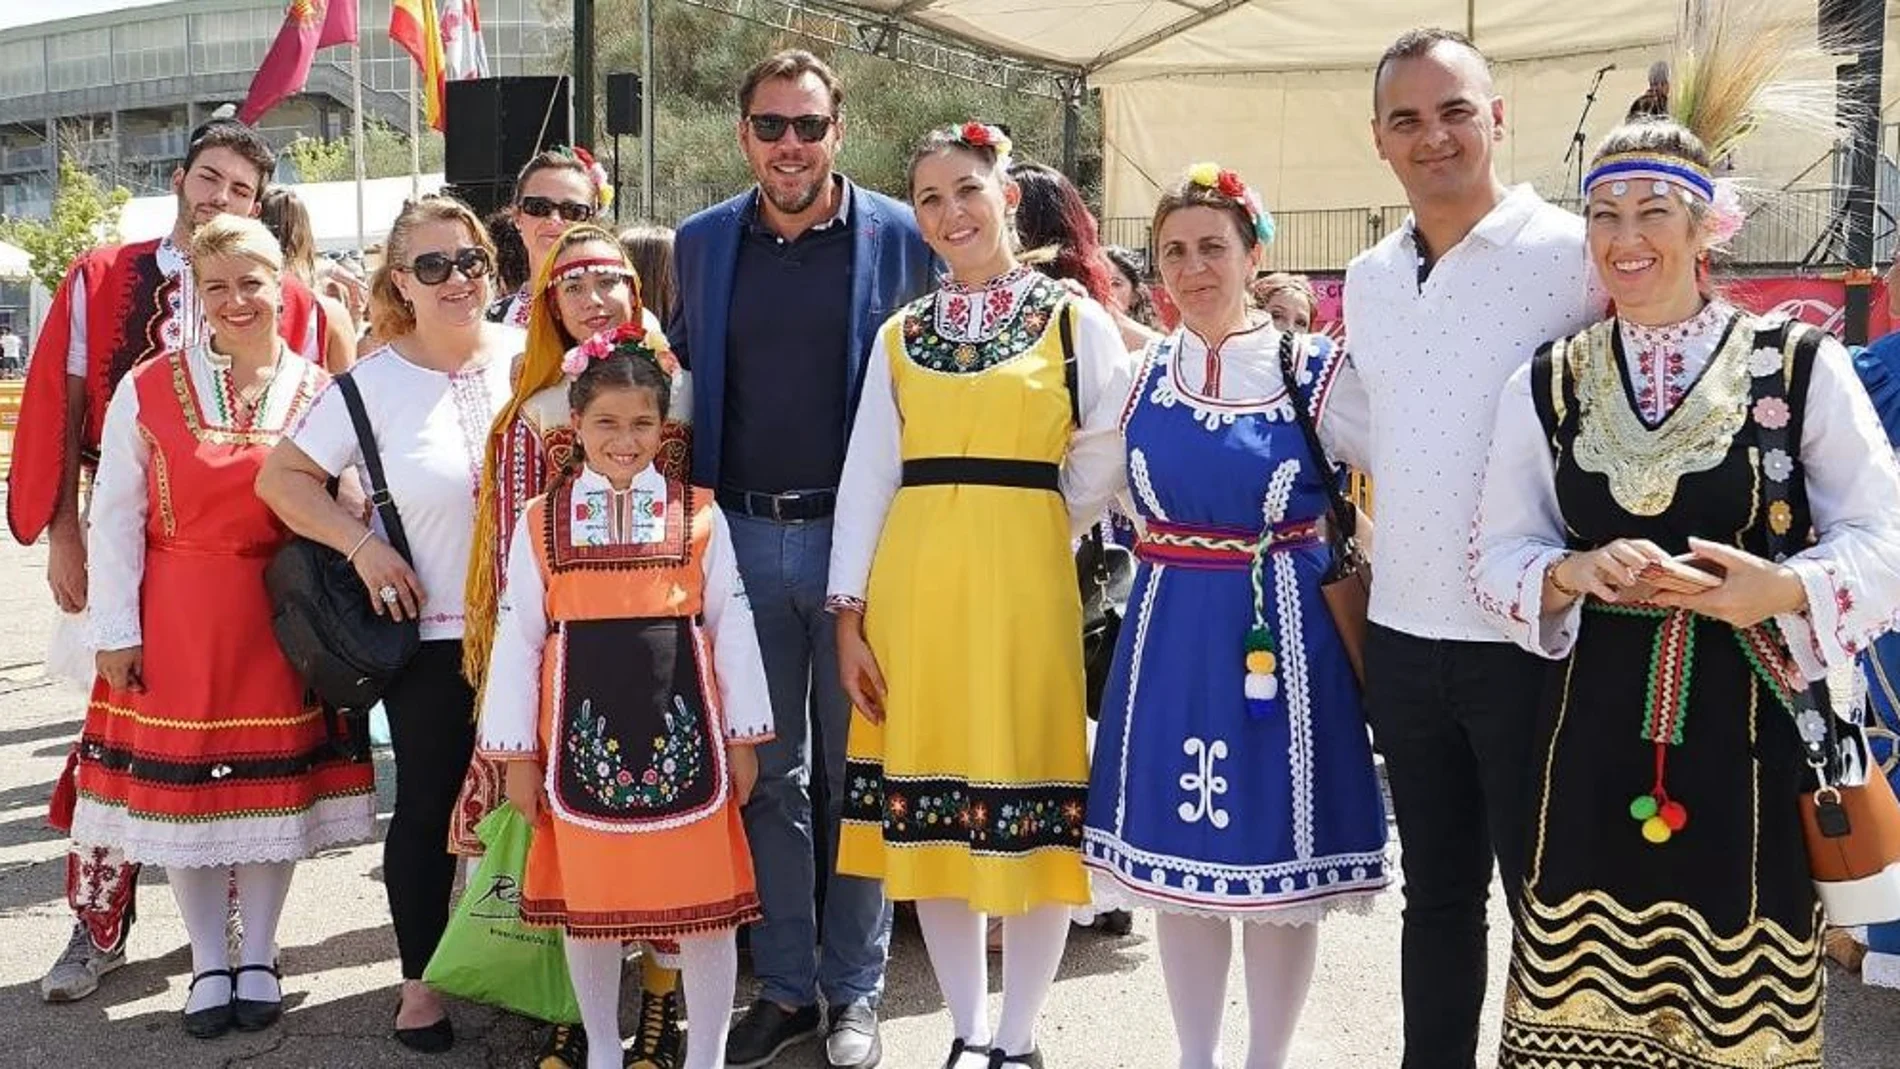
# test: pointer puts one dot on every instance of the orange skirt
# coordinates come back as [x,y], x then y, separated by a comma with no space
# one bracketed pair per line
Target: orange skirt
[638,884]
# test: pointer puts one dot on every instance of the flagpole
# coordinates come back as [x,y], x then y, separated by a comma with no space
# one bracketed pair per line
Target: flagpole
[415,137]
[649,93]
[356,135]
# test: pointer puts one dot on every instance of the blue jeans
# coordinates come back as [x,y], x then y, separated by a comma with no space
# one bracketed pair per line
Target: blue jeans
[784,568]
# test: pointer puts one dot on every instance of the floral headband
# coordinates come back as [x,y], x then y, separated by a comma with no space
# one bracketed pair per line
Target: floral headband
[1228,184]
[630,338]
[603,189]
[1664,173]
[984,135]
[593,265]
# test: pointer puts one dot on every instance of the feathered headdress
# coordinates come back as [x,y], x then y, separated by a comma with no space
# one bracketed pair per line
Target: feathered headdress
[1730,80]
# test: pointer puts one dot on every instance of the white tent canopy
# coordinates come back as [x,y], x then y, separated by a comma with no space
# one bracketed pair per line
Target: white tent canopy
[14,263]
[1281,89]
[332,207]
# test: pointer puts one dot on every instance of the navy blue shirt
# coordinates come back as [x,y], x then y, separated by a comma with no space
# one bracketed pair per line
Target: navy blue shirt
[786,365]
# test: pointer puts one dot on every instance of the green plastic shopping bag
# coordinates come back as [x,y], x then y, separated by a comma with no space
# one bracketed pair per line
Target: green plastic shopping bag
[487,954]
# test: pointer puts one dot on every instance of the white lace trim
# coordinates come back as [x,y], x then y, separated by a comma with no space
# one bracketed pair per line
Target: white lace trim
[1144,484]
[1142,616]
[1110,893]
[1881,970]
[116,630]
[227,841]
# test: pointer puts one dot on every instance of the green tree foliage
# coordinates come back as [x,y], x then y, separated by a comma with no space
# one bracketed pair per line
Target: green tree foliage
[84,214]
[385,155]
[700,56]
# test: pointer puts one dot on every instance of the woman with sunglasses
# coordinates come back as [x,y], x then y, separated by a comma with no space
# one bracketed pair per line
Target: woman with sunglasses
[556,190]
[584,288]
[431,392]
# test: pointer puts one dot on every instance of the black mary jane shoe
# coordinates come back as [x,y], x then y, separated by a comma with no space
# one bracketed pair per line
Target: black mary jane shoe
[434,1038]
[254,1014]
[212,1021]
[958,1048]
[999,1060]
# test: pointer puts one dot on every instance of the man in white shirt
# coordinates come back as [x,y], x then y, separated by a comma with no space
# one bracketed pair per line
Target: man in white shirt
[1439,314]
[9,352]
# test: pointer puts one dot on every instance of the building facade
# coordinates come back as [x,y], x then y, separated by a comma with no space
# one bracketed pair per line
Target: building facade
[121,90]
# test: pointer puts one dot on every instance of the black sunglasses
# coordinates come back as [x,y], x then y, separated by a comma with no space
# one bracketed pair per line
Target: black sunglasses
[808,127]
[432,268]
[571,211]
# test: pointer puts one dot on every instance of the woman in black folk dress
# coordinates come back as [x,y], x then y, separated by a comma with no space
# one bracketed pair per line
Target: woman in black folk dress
[1690,509]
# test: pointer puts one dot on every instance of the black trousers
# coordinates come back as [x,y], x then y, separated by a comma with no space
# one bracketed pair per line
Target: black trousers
[1455,721]
[432,730]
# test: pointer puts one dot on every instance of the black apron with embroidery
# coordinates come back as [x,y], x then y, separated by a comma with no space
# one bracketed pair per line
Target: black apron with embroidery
[1700,950]
[636,744]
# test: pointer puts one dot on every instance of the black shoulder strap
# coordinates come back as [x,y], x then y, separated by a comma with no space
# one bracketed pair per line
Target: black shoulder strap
[1344,515]
[373,465]
[1069,374]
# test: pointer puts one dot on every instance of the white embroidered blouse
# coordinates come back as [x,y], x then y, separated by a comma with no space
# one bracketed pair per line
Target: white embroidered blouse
[1852,574]
[511,702]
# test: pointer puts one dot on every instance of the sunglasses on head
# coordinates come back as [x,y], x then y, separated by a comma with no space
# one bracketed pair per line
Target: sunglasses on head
[542,207]
[772,127]
[432,268]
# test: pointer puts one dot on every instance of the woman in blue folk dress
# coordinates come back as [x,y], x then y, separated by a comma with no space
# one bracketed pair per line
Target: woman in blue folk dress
[1232,775]
[1878,366]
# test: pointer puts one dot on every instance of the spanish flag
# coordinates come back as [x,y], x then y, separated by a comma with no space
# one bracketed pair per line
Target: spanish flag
[413,25]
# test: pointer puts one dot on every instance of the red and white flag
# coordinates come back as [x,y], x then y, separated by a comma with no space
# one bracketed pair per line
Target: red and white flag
[463,54]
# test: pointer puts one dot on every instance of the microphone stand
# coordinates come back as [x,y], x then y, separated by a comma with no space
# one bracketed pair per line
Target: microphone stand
[1576,139]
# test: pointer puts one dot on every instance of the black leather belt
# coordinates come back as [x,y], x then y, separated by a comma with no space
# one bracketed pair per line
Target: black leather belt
[794,506]
[982,471]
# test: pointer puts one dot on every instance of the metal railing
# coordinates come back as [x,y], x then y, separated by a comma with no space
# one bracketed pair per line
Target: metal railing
[1787,228]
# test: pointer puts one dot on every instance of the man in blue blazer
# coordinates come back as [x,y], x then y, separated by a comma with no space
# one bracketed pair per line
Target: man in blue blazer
[781,292]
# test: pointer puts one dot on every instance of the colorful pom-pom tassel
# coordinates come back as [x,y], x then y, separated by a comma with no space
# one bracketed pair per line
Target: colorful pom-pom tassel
[1263,695]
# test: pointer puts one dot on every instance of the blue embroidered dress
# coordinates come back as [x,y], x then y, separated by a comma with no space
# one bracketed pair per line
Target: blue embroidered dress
[1879,368]
[1201,799]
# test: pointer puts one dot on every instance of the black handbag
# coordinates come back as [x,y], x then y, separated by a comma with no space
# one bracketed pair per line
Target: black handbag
[1104,571]
[345,651]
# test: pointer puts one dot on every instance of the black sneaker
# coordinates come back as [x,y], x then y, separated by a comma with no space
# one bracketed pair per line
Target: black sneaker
[851,1037]
[766,1029]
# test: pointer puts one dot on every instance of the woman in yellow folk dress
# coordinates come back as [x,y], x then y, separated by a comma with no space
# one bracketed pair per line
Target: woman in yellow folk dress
[978,451]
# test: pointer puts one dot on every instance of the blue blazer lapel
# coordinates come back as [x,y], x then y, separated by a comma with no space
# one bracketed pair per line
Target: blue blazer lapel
[866,263]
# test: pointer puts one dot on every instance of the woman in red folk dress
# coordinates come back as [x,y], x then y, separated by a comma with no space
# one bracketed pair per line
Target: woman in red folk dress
[200,752]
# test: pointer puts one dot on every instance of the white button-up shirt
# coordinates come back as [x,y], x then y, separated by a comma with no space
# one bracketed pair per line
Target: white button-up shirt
[1416,403]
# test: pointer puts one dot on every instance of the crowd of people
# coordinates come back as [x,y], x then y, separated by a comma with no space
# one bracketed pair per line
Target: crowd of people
[743,566]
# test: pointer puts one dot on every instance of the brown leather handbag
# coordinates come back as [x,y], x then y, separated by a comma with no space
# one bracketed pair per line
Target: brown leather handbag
[1849,815]
[1347,584]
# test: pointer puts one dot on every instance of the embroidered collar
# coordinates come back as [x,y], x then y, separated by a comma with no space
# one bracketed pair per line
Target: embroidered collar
[1663,361]
[172,258]
[967,313]
[604,516]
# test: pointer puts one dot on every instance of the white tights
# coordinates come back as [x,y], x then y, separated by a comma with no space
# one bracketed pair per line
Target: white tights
[204,901]
[1278,962]
[1032,952]
[709,969]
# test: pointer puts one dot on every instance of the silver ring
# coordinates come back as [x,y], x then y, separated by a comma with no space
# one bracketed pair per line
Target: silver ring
[388,594]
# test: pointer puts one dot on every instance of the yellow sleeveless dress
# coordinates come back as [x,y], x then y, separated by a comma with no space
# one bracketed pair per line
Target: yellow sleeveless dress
[974,787]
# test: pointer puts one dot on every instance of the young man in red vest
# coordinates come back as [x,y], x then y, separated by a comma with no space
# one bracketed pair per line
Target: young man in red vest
[118,306]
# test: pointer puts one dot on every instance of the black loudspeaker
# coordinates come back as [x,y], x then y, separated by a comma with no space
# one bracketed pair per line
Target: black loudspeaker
[495,125]
[1847,26]
[623,105]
